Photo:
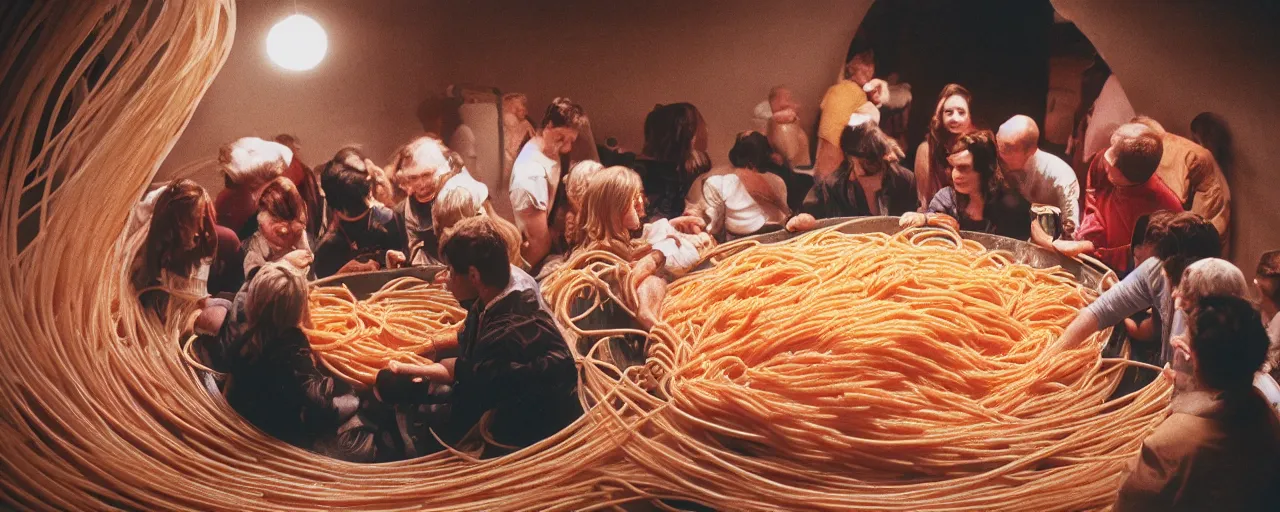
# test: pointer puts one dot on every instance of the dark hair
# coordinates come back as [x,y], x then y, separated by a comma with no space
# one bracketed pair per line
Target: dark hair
[669,131]
[178,208]
[1228,341]
[1210,130]
[563,113]
[867,142]
[473,242]
[1150,228]
[1184,239]
[347,186]
[1269,271]
[751,150]
[939,139]
[281,199]
[1137,151]
[982,145]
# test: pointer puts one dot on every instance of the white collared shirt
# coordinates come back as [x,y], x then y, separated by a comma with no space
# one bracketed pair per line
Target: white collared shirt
[534,178]
[1046,179]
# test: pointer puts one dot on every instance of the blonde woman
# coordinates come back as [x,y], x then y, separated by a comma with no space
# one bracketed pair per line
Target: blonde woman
[612,206]
[274,381]
[575,188]
[456,205]
[425,170]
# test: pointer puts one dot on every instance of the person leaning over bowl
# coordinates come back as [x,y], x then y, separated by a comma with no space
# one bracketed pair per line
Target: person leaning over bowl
[509,358]
[1219,449]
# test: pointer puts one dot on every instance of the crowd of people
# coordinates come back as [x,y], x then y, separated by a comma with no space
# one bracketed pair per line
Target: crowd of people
[1152,206]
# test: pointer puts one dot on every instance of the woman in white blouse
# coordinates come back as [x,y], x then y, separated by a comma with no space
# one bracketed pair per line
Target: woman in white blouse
[746,199]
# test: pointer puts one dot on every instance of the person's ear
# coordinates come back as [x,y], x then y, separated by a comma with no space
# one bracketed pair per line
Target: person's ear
[473,275]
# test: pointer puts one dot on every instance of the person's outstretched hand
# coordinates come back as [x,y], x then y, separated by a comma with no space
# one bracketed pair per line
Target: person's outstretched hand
[802,222]
[689,224]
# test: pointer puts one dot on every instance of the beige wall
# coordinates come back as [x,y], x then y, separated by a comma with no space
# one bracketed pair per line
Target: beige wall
[1177,59]
[620,58]
[615,58]
[365,91]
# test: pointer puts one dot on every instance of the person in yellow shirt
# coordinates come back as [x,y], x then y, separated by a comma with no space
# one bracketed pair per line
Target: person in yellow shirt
[856,92]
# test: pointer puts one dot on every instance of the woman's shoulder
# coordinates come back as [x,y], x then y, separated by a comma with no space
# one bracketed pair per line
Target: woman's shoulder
[464,180]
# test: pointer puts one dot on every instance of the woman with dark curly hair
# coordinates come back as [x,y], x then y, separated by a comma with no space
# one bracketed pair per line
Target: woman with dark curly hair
[978,197]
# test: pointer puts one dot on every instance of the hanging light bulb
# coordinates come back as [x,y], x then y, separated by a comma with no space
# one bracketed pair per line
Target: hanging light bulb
[297,43]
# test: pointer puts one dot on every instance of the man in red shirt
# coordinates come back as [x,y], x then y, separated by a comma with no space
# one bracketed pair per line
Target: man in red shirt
[1113,208]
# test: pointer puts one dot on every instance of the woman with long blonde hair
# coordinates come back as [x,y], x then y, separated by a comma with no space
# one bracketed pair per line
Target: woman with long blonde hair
[612,209]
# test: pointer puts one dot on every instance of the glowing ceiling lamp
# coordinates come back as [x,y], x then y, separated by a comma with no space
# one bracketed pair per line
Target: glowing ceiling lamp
[297,43]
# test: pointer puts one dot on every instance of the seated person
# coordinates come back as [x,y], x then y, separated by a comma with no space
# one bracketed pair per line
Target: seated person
[248,165]
[282,224]
[535,177]
[273,380]
[575,188]
[1041,177]
[511,357]
[425,170]
[1109,218]
[1179,240]
[175,258]
[952,119]
[674,157]
[1267,281]
[869,182]
[612,207]
[308,183]
[458,204]
[786,135]
[745,199]
[364,235]
[978,198]
[1219,449]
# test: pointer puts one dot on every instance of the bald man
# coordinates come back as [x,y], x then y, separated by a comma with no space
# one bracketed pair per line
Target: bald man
[1041,177]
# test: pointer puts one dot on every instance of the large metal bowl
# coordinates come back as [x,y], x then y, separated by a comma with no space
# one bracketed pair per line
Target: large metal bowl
[363,284]
[631,350]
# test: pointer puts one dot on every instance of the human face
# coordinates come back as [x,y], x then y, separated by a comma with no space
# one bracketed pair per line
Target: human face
[463,284]
[632,219]
[963,177]
[862,68]
[280,233]
[422,186]
[955,115]
[783,100]
[559,140]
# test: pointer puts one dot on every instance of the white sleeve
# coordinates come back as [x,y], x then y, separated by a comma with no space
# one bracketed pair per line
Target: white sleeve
[479,191]
[713,203]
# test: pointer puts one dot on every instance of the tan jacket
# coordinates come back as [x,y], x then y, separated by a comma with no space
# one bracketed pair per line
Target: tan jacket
[1191,172]
[1213,452]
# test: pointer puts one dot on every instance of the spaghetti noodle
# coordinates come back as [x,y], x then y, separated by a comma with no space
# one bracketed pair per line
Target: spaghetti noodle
[356,338]
[830,372]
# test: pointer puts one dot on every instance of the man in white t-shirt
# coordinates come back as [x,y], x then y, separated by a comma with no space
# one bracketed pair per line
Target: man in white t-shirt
[1041,177]
[535,177]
